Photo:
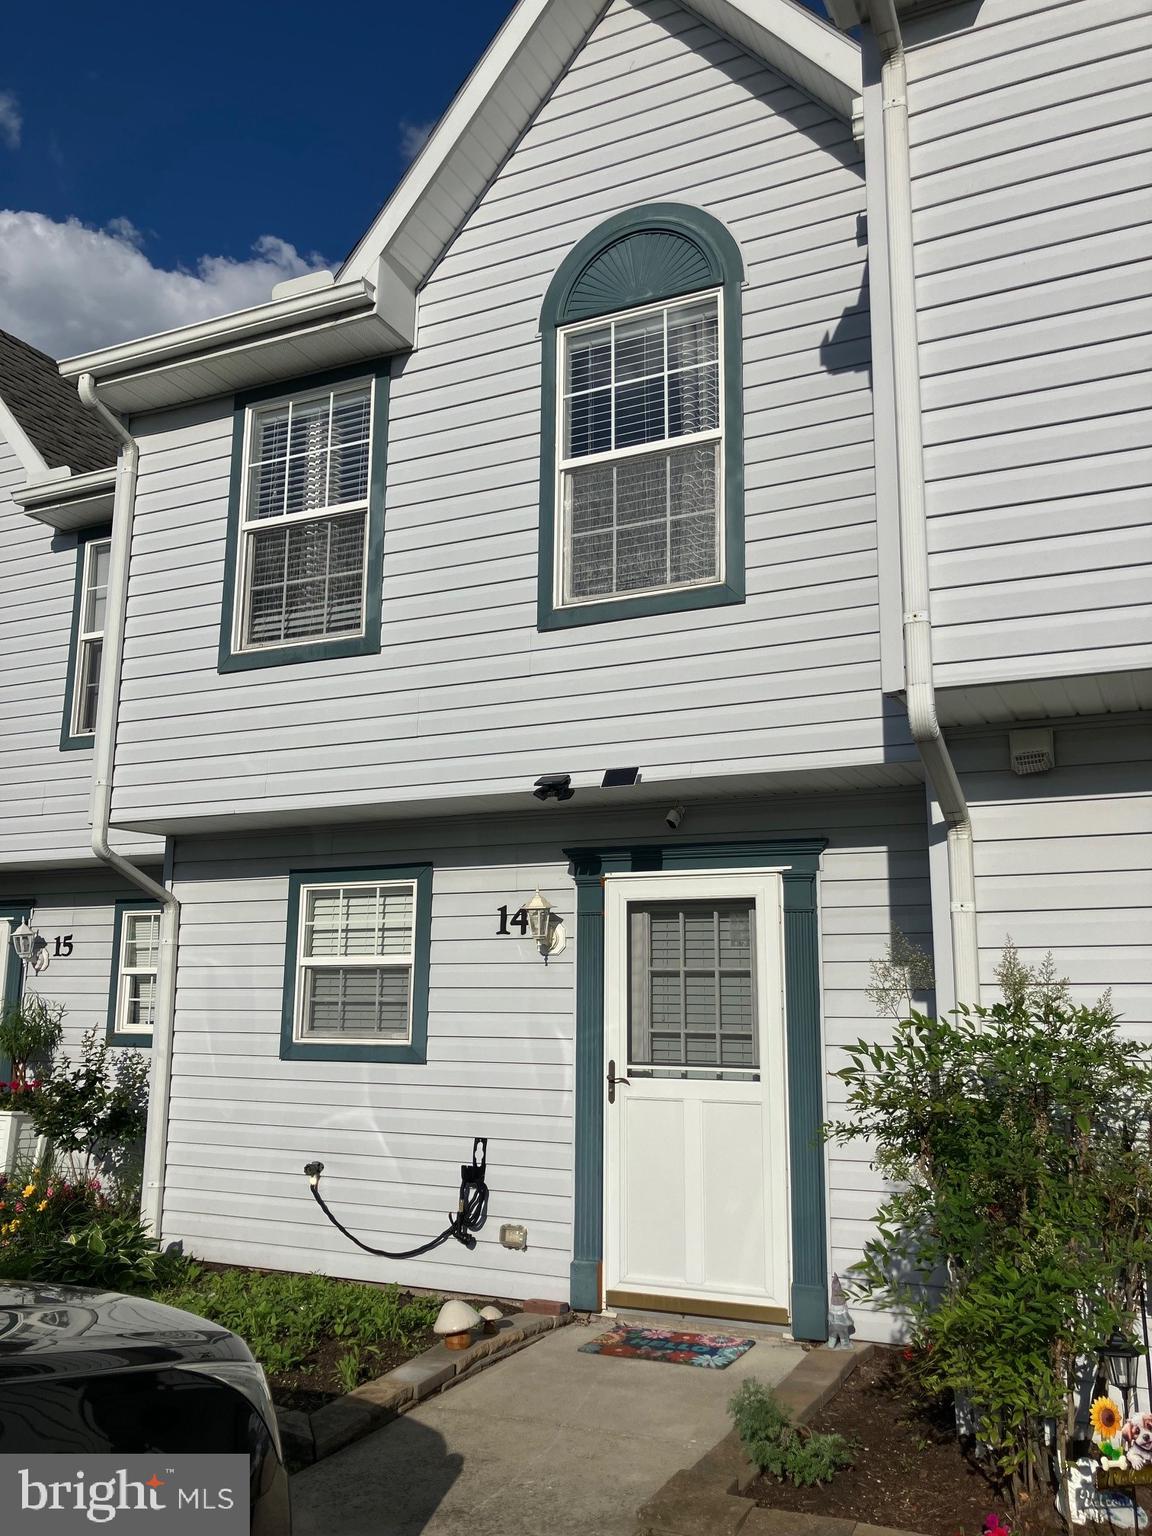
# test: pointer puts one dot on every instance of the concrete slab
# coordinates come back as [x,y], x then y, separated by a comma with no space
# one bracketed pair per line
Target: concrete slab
[548,1439]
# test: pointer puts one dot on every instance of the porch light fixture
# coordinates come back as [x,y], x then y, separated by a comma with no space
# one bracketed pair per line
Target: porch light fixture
[31,949]
[547,935]
[1120,1359]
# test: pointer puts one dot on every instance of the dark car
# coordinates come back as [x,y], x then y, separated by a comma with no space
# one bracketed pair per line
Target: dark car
[88,1372]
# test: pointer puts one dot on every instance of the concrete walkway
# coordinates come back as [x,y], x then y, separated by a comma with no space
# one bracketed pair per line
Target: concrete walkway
[548,1442]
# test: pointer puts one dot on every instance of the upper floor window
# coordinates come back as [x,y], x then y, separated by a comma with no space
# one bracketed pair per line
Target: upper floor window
[641,457]
[641,470]
[305,533]
[93,554]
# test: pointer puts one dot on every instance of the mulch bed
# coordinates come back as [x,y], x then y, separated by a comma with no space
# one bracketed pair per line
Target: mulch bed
[317,1383]
[910,1470]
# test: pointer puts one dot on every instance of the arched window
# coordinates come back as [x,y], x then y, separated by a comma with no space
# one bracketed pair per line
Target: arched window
[641,472]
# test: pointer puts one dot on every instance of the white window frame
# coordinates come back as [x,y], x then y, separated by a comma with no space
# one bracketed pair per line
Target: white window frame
[86,639]
[248,527]
[123,1027]
[347,962]
[638,450]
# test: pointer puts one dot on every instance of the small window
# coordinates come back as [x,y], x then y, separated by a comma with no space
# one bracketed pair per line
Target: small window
[641,457]
[693,986]
[93,557]
[136,956]
[360,956]
[304,518]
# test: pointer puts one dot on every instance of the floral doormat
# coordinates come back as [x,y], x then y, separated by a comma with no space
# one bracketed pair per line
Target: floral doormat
[715,1350]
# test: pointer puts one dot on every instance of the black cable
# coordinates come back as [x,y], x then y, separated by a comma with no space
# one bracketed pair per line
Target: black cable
[470,1215]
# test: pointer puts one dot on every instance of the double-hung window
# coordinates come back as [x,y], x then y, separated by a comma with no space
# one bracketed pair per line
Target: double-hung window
[136,964]
[94,555]
[641,462]
[359,958]
[302,565]
[641,443]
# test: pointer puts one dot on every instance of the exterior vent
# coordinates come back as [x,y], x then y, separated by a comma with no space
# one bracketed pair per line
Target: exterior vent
[1031,751]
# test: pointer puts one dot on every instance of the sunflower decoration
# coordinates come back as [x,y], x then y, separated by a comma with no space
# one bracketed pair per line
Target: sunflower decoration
[1106,1419]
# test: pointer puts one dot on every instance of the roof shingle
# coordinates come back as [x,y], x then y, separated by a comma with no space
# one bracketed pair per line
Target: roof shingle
[48,408]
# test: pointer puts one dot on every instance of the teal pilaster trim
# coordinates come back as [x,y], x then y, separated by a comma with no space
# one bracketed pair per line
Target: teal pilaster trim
[115,1037]
[416,1051]
[368,643]
[809,1300]
[69,742]
[11,969]
[660,251]
[588,866]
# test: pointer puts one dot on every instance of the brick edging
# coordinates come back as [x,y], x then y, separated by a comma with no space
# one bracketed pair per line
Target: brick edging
[310,1437]
[708,1499]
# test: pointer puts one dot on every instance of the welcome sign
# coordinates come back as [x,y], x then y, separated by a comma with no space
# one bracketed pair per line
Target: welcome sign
[127,1495]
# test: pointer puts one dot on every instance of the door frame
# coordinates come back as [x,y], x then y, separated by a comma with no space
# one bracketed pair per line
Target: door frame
[797,861]
[11,970]
[763,887]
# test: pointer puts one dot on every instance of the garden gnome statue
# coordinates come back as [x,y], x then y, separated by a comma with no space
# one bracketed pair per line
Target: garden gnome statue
[840,1324]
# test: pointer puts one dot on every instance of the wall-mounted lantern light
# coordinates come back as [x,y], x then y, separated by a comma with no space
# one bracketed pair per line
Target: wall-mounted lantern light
[546,930]
[1121,1360]
[31,949]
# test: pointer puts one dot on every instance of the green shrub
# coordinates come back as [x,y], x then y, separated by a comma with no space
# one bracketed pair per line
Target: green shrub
[57,1232]
[1018,1136]
[789,1452]
[284,1317]
[29,1034]
[94,1111]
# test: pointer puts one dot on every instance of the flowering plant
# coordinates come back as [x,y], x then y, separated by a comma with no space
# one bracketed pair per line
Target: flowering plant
[19,1095]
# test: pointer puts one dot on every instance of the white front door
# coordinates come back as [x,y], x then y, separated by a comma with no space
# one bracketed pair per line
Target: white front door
[696,1198]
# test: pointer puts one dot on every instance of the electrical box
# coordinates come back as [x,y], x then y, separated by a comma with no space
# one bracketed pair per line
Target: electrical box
[513,1235]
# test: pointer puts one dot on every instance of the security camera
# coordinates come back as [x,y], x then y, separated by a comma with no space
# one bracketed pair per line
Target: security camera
[554,786]
[675,816]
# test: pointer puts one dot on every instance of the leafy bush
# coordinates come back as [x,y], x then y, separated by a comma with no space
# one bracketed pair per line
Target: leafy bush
[1020,1138]
[781,1449]
[95,1111]
[283,1318]
[57,1232]
[29,1032]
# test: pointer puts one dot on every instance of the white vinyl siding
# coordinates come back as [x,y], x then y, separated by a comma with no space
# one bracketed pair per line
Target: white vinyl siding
[90,636]
[639,514]
[138,965]
[355,964]
[304,518]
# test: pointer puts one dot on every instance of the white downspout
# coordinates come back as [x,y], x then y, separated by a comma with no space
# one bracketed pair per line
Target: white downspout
[103,762]
[920,690]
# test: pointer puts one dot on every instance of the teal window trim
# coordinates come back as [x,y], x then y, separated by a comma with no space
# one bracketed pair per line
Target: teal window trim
[720,266]
[68,741]
[416,1051]
[808,1197]
[368,643]
[124,1037]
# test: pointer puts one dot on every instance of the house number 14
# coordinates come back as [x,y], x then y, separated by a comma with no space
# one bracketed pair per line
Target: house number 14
[517,920]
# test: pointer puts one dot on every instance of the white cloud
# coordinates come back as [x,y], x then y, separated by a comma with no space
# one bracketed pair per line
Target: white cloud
[11,120]
[413,137]
[67,287]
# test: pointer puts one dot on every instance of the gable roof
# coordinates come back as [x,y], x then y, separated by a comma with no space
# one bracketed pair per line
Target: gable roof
[370,308]
[514,77]
[47,414]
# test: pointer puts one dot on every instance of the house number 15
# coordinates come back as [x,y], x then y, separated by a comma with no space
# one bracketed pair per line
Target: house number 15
[63,946]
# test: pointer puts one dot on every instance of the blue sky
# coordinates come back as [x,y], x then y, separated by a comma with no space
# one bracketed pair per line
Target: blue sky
[161,163]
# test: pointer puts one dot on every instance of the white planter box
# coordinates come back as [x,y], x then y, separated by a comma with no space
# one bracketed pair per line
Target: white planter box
[18,1139]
